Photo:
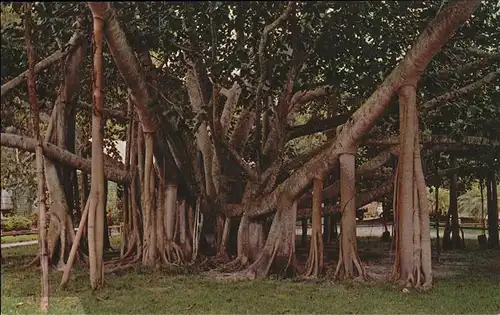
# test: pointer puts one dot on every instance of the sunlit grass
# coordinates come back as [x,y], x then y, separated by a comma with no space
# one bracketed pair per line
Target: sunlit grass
[19,238]
[472,286]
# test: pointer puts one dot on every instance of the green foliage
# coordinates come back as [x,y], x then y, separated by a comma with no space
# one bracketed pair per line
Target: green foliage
[443,200]
[349,45]
[114,209]
[16,223]
[469,203]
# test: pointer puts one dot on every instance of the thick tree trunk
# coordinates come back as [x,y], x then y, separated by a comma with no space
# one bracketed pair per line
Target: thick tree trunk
[314,265]
[97,200]
[278,254]
[349,265]
[412,266]
[492,205]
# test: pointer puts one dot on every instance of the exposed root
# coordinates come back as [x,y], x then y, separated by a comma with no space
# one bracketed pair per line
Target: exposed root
[344,271]
[238,264]
[134,264]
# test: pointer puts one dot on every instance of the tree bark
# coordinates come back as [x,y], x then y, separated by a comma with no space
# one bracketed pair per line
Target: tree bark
[44,259]
[412,266]
[456,240]
[97,201]
[492,205]
[349,265]
[62,156]
[278,254]
[314,265]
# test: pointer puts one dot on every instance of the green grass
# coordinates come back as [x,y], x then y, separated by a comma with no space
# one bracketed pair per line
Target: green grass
[19,238]
[466,282]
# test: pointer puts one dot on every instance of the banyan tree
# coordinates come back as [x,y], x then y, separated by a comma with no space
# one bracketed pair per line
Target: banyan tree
[240,119]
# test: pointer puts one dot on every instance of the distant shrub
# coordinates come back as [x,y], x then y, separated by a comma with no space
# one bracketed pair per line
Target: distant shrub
[15,223]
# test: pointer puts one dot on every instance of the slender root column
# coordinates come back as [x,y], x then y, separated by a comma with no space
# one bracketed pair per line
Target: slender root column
[314,265]
[97,191]
[412,266]
[74,247]
[44,277]
[349,265]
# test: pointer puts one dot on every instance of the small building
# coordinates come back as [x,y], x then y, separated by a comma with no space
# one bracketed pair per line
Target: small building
[6,204]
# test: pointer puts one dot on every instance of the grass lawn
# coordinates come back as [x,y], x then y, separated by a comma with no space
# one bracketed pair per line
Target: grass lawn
[19,238]
[465,282]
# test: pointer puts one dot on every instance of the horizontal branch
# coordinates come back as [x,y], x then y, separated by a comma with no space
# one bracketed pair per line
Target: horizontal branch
[303,97]
[43,64]
[387,187]
[468,67]
[62,156]
[314,126]
[361,200]
[439,139]
[363,170]
[433,103]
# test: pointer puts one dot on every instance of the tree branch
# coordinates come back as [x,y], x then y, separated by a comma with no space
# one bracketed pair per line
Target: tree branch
[439,139]
[44,64]
[127,63]
[314,126]
[233,96]
[62,156]
[409,70]
[468,67]
[303,97]
[262,45]
[374,194]
[252,174]
[433,103]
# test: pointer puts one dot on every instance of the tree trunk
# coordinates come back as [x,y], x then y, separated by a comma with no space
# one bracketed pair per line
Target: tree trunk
[74,247]
[148,216]
[303,239]
[455,223]
[222,255]
[349,265]
[97,200]
[44,262]
[412,266]
[437,215]
[314,265]
[278,254]
[106,241]
[492,205]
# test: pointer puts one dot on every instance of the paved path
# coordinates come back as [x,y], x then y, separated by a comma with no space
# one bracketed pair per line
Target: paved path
[16,244]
